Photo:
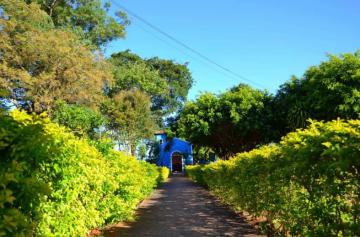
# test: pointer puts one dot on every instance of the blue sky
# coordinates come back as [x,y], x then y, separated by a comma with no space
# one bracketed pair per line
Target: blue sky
[265,41]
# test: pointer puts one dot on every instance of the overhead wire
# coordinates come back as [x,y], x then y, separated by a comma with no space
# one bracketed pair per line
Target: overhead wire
[194,51]
[184,52]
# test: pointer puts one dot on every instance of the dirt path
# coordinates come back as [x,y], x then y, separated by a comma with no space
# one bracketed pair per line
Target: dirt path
[181,208]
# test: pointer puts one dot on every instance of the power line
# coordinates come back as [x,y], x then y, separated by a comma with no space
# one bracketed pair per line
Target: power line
[204,57]
[185,53]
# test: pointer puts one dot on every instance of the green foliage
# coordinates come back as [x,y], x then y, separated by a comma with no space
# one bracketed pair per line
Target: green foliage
[237,120]
[130,117]
[308,185]
[139,75]
[87,18]
[153,148]
[81,120]
[163,174]
[55,184]
[40,64]
[179,81]
[203,155]
[129,181]
[19,186]
[243,118]
[103,145]
[325,92]
[165,81]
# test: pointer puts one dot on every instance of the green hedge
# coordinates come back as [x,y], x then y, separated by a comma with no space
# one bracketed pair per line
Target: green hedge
[308,185]
[164,174]
[54,184]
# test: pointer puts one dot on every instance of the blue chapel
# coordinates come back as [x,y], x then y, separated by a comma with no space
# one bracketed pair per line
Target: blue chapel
[175,153]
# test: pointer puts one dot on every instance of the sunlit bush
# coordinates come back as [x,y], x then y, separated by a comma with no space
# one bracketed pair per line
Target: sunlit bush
[55,184]
[163,174]
[307,185]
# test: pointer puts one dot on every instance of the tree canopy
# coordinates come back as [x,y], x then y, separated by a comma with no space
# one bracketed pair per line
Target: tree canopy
[51,60]
[81,120]
[136,73]
[87,18]
[325,92]
[40,64]
[228,123]
[165,81]
[130,118]
[179,81]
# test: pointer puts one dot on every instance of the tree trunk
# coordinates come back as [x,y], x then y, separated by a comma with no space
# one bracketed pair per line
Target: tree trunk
[132,149]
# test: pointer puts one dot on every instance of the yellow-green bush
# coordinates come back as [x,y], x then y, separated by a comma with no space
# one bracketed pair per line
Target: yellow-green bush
[54,184]
[163,174]
[308,185]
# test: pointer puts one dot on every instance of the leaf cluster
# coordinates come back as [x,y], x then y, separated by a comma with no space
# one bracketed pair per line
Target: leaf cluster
[165,81]
[88,19]
[130,117]
[81,120]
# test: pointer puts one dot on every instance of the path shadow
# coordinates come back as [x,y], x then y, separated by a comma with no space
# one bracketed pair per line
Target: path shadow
[181,208]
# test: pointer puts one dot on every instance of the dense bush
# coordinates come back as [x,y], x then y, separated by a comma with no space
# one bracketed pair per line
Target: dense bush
[307,185]
[163,174]
[55,184]
[81,120]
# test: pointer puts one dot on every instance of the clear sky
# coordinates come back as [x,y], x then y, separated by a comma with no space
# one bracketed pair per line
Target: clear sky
[265,41]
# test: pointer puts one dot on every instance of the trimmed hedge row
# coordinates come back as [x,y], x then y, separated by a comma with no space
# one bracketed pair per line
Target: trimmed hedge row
[54,184]
[163,174]
[308,185]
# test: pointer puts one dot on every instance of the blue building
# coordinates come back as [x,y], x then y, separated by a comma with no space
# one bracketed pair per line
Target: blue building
[174,153]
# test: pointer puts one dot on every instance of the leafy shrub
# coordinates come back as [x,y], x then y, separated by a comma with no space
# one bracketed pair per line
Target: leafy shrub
[163,174]
[196,173]
[104,145]
[81,120]
[55,184]
[308,185]
[129,181]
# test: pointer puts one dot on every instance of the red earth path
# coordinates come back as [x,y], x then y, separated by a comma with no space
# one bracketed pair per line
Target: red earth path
[180,208]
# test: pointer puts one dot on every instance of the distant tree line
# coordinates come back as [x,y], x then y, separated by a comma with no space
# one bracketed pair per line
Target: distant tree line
[243,118]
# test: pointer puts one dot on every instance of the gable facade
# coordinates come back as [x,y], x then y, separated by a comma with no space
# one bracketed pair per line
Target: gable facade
[175,154]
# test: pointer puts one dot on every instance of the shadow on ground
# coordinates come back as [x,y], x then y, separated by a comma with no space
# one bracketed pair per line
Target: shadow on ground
[182,208]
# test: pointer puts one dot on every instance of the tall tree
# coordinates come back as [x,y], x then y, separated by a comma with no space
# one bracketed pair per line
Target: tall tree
[40,64]
[325,92]
[237,120]
[165,81]
[179,81]
[130,73]
[88,18]
[130,118]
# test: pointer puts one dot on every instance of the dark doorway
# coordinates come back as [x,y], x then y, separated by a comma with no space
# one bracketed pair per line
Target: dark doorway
[176,159]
